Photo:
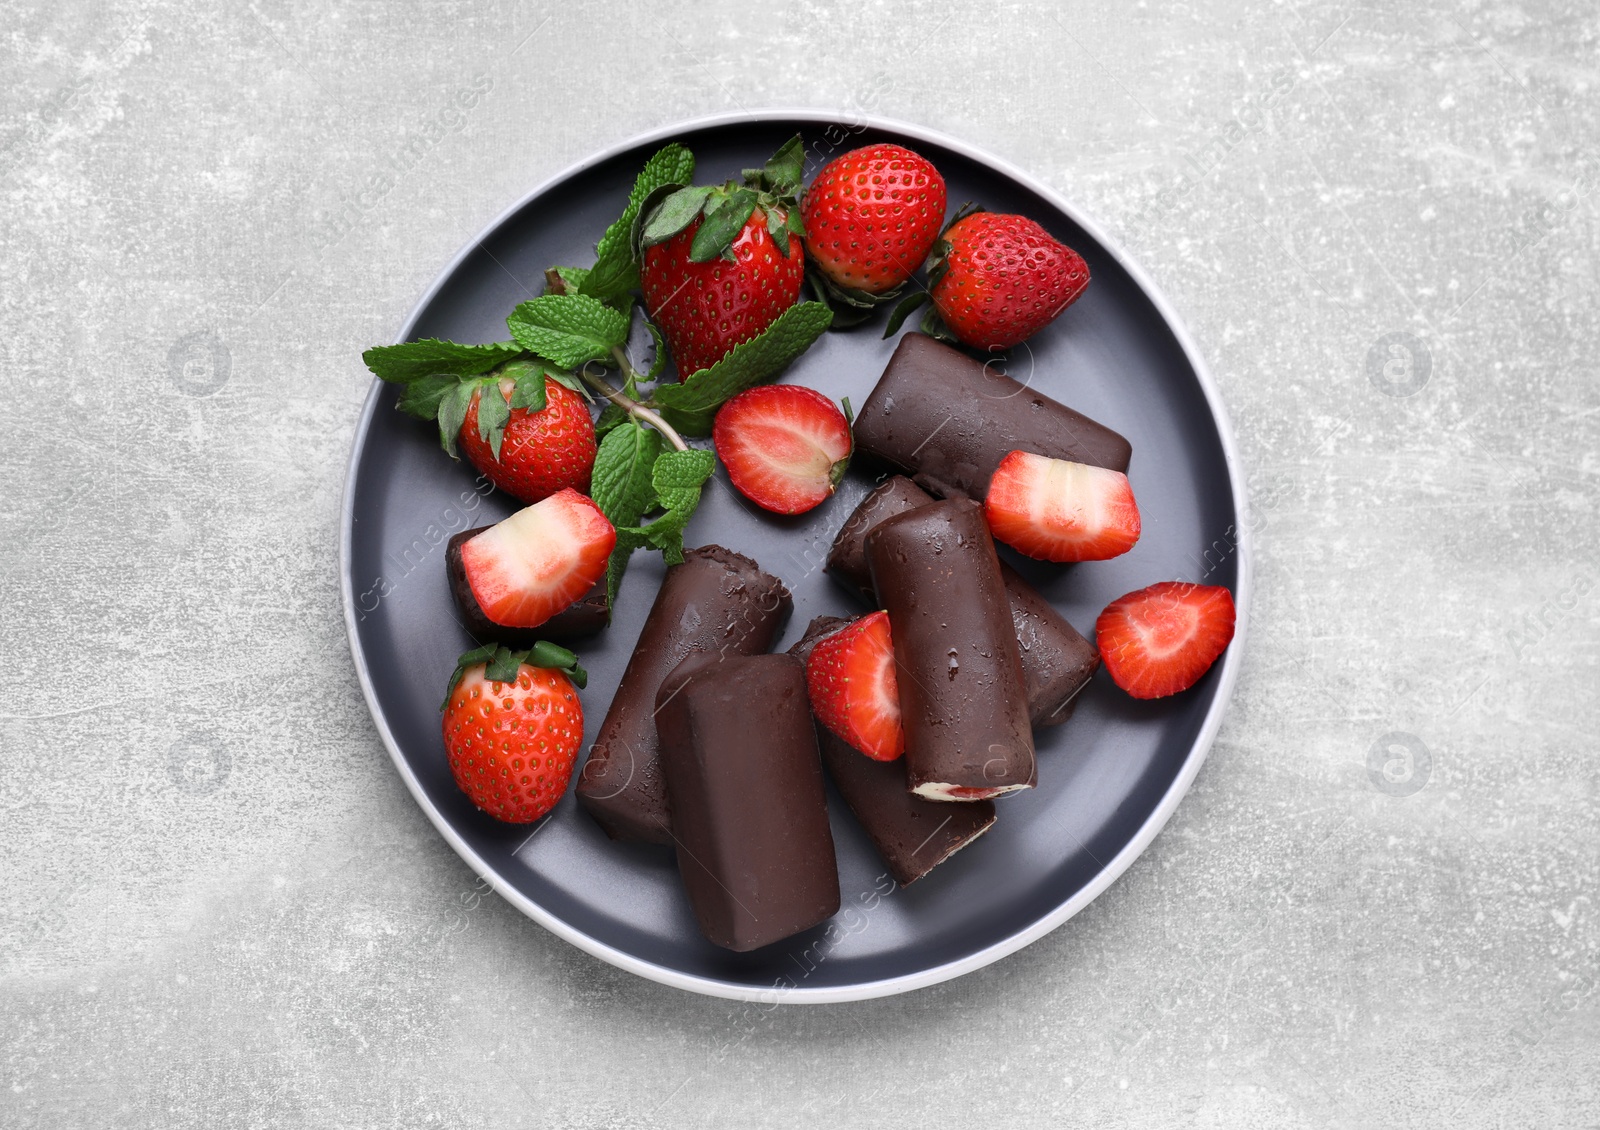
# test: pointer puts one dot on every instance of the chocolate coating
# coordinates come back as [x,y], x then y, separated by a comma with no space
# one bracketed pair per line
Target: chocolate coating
[715,601]
[949,420]
[586,616]
[749,814]
[911,834]
[956,658]
[1057,662]
[847,559]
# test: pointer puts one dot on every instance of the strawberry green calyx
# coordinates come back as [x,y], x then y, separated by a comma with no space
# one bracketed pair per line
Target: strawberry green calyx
[938,266]
[836,475]
[851,307]
[501,664]
[939,257]
[723,210]
[438,380]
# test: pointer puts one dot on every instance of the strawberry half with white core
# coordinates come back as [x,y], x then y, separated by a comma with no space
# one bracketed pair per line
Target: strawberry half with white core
[1160,640]
[534,564]
[1055,510]
[785,446]
[851,683]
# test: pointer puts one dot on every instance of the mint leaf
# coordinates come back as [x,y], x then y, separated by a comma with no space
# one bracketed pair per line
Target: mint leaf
[568,329]
[430,367]
[678,477]
[611,416]
[629,538]
[622,486]
[615,270]
[420,397]
[571,279]
[673,214]
[690,406]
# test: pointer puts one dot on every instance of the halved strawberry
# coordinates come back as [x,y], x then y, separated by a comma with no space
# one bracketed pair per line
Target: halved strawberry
[534,564]
[1060,511]
[1160,640]
[785,446]
[850,680]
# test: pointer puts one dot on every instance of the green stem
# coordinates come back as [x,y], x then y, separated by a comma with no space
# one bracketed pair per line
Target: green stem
[630,375]
[632,406]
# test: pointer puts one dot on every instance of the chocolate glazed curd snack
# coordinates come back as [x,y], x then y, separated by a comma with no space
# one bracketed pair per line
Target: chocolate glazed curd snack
[749,813]
[1057,662]
[956,661]
[948,420]
[716,601]
[911,834]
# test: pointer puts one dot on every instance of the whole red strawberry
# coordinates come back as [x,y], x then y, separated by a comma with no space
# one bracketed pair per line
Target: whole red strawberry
[717,265]
[872,215]
[998,279]
[705,309]
[541,452]
[512,728]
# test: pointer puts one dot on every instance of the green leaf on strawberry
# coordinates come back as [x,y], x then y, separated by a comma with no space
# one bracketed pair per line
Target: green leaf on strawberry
[501,664]
[529,374]
[668,212]
[725,217]
[783,172]
[493,416]
[616,270]
[691,406]
[568,329]
[452,412]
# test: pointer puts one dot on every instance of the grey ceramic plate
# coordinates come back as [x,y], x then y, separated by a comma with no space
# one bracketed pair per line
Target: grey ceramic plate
[1108,779]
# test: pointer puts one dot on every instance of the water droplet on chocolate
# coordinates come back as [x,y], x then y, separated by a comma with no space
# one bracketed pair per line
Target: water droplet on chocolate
[955,664]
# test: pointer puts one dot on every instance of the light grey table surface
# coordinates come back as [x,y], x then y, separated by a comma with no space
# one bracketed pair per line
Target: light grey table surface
[222,908]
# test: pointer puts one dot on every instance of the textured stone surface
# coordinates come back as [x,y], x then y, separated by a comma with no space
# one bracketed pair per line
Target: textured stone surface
[224,909]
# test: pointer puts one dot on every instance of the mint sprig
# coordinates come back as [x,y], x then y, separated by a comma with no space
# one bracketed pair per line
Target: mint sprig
[692,406]
[677,477]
